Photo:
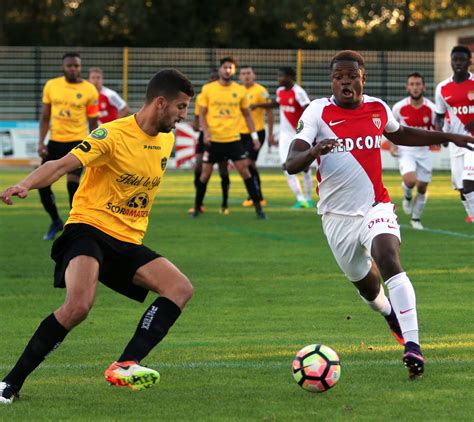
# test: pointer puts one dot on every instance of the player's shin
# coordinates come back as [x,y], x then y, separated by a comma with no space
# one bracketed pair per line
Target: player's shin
[225,185]
[419,205]
[380,303]
[308,185]
[49,202]
[200,193]
[252,191]
[46,338]
[402,297]
[295,186]
[470,203]
[152,328]
[71,189]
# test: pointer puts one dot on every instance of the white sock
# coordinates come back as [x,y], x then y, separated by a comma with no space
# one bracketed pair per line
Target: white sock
[402,296]
[419,205]
[469,203]
[380,303]
[466,206]
[308,185]
[295,186]
[407,191]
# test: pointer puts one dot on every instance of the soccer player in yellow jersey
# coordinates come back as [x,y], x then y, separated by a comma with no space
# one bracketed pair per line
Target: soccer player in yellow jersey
[125,161]
[70,111]
[222,103]
[256,94]
[200,147]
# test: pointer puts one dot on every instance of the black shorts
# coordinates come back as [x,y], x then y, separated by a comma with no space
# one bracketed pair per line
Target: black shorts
[200,147]
[118,260]
[57,150]
[223,151]
[248,143]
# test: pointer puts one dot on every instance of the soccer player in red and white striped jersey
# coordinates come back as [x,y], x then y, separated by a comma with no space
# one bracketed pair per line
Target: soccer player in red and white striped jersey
[455,96]
[415,162]
[343,133]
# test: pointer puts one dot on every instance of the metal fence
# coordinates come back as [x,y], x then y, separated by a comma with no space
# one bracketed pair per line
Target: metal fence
[24,71]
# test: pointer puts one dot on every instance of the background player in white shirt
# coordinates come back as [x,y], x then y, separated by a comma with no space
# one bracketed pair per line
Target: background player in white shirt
[455,96]
[415,162]
[343,133]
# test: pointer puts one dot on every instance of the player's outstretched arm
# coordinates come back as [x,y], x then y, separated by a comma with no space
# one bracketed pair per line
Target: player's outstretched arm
[301,155]
[267,105]
[413,137]
[44,175]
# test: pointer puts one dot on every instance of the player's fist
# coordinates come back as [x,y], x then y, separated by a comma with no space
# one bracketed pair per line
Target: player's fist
[17,190]
[325,146]
[42,150]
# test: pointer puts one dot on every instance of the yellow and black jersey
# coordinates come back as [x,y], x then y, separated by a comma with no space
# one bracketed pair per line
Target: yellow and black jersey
[71,105]
[124,167]
[224,104]
[255,94]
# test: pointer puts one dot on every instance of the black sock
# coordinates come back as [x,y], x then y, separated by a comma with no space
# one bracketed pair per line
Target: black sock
[225,185]
[153,326]
[256,179]
[200,193]
[197,175]
[252,191]
[49,202]
[71,188]
[47,337]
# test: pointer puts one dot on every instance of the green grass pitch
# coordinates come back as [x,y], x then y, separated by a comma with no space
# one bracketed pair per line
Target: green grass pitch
[263,290]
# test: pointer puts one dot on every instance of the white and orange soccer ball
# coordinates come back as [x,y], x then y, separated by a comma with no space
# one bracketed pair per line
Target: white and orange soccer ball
[316,368]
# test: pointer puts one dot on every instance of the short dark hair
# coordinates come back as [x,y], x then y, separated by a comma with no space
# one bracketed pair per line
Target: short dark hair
[416,75]
[348,55]
[245,66]
[229,59]
[461,49]
[71,54]
[287,71]
[168,83]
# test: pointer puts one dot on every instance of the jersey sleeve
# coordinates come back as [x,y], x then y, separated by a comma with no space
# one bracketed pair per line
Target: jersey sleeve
[308,125]
[117,101]
[440,104]
[46,94]
[392,124]
[277,95]
[396,112]
[92,107]
[264,96]
[302,97]
[96,149]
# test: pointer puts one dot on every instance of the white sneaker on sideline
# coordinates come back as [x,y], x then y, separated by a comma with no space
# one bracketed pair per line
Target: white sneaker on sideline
[407,206]
[416,224]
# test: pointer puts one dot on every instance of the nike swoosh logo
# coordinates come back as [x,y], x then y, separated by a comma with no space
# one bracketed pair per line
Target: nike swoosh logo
[331,123]
[404,312]
[448,97]
[123,367]
[391,227]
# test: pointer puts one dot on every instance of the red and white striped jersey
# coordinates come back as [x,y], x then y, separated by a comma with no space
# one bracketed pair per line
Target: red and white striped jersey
[349,177]
[292,103]
[110,103]
[418,117]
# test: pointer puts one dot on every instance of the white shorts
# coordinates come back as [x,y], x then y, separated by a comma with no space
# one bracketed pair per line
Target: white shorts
[457,169]
[350,237]
[416,160]
[468,172]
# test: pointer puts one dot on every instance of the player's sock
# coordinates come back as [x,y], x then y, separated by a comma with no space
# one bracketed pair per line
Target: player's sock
[47,337]
[197,175]
[256,179]
[407,192]
[152,328]
[252,191]
[380,303]
[225,185]
[402,296]
[419,205]
[295,186]
[71,189]
[200,193]
[49,202]
[308,185]
[469,203]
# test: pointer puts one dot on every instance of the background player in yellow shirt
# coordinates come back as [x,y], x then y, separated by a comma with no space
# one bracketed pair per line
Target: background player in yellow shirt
[256,94]
[70,111]
[125,161]
[222,104]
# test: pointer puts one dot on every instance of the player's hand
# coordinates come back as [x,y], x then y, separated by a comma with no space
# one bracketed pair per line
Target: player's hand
[271,140]
[324,147]
[253,106]
[42,150]
[206,138]
[256,144]
[17,190]
[393,150]
[463,142]
[470,126]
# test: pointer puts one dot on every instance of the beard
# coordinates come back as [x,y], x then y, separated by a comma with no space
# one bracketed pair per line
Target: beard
[416,97]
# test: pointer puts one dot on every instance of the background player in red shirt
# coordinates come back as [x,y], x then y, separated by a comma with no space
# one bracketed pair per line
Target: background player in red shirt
[415,162]
[344,134]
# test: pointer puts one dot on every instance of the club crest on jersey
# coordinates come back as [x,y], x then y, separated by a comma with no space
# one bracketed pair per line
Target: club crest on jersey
[377,120]
[426,119]
[99,133]
[78,95]
[470,95]
[164,161]
[300,126]
[290,100]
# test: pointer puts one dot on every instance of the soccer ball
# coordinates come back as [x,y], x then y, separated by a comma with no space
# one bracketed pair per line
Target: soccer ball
[316,368]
